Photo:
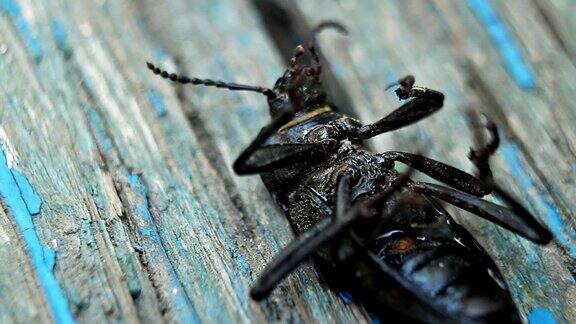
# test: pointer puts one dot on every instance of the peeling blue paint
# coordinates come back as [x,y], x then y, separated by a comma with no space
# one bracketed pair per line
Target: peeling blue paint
[240,260]
[159,54]
[87,81]
[49,257]
[562,231]
[98,129]
[157,102]
[61,38]
[247,112]
[240,267]
[223,67]
[145,231]
[31,199]
[540,315]
[59,32]
[23,202]
[245,40]
[153,246]
[12,9]
[510,52]
[126,263]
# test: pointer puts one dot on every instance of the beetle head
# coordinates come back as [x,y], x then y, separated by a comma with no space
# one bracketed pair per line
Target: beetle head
[299,88]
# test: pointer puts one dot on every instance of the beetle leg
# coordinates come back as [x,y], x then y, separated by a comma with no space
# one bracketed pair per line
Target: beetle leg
[276,156]
[302,247]
[424,103]
[343,196]
[264,134]
[514,217]
[481,155]
[257,158]
[442,172]
[310,241]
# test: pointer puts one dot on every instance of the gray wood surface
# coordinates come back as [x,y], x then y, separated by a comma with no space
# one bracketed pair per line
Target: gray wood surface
[143,220]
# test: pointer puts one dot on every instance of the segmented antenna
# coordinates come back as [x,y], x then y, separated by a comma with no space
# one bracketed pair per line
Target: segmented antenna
[210,83]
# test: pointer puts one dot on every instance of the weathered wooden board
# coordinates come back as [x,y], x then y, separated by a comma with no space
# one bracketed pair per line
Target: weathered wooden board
[141,216]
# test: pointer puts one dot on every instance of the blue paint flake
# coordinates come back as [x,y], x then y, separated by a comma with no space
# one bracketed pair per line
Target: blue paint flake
[49,257]
[240,260]
[506,45]
[23,202]
[97,125]
[157,102]
[12,9]
[159,54]
[145,231]
[153,247]
[561,230]
[247,112]
[61,38]
[541,315]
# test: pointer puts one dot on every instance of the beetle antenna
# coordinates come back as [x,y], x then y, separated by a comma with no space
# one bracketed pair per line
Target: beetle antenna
[328,24]
[211,83]
[312,44]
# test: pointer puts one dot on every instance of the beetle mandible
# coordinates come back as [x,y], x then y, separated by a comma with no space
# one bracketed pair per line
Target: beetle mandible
[384,236]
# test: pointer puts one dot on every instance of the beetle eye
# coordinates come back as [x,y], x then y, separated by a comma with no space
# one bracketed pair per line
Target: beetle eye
[278,102]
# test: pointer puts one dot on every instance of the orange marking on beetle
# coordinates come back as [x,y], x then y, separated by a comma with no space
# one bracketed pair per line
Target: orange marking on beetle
[403,245]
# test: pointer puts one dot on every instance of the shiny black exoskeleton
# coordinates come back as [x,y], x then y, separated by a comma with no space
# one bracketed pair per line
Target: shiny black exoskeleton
[382,236]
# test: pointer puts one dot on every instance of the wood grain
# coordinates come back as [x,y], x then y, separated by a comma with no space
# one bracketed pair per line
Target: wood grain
[139,203]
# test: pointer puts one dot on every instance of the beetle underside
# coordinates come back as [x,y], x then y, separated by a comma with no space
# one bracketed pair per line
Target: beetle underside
[381,235]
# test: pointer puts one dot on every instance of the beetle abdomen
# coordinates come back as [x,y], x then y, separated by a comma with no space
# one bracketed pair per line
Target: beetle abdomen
[451,270]
[454,277]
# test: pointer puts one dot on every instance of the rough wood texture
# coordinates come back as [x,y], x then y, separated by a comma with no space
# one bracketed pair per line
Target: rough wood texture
[141,216]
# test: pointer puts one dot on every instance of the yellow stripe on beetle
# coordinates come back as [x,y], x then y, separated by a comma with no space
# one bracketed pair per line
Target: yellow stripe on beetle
[305,117]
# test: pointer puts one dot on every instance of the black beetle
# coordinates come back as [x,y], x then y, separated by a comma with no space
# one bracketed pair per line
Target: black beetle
[378,234]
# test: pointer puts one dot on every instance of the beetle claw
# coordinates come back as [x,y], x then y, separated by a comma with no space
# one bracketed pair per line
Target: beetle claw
[405,85]
[485,149]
